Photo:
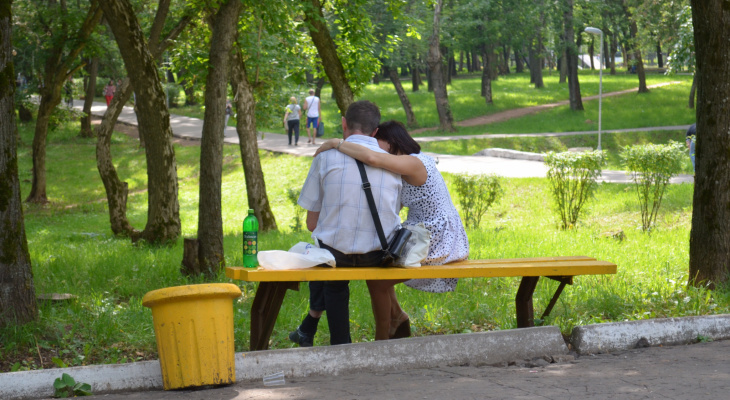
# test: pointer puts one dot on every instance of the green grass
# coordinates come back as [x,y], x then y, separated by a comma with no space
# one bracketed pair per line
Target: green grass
[73,251]
[510,92]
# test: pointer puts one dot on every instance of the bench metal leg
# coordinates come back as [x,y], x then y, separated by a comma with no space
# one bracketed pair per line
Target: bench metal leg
[523,302]
[564,280]
[265,309]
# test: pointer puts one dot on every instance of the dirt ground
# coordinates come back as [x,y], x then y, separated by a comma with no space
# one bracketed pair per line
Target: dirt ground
[697,371]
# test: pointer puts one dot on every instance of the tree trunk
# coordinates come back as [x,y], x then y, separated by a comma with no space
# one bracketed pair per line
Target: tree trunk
[116,189]
[591,51]
[319,85]
[576,102]
[614,49]
[328,54]
[519,68]
[659,57]
[536,61]
[461,60]
[17,290]
[50,98]
[57,70]
[446,119]
[415,75]
[246,128]
[710,235]
[163,213]
[637,52]
[505,61]
[563,66]
[486,80]
[210,215]
[92,69]
[410,117]
[692,91]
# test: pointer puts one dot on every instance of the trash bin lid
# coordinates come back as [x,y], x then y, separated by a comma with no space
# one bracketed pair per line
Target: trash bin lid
[177,293]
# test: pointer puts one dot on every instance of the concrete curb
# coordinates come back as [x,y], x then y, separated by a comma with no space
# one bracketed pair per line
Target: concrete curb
[422,352]
[603,338]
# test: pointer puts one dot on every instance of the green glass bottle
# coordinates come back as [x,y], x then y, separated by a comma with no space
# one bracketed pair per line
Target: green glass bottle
[250,240]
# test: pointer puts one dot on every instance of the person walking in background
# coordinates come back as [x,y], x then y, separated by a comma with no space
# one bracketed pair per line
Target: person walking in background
[109,90]
[313,107]
[291,119]
[229,112]
[69,92]
[691,138]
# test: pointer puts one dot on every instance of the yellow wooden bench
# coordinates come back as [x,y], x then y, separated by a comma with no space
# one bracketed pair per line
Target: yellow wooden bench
[274,283]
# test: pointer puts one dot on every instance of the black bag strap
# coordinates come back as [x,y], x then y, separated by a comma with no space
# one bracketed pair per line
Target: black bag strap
[371,203]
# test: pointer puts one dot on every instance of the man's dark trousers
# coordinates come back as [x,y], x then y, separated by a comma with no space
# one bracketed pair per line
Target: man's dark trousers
[334,296]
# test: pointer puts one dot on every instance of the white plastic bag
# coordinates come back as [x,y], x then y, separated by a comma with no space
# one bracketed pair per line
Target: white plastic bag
[417,247]
[301,255]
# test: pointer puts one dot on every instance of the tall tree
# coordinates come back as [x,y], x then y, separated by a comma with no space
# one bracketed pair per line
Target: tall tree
[17,292]
[92,70]
[163,211]
[116,189]
[571,49]
[246,128]
[636,48]
[210,215]
[317,25]
[435,63]
[66,39]
[710,236]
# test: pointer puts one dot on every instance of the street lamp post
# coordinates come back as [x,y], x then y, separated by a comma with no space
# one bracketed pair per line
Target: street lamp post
[596,31]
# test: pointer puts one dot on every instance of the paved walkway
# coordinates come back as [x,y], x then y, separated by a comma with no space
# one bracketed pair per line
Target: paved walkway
[698,371]
[191,128]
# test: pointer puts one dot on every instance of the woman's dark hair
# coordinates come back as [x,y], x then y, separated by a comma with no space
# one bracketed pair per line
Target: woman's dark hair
[396,134]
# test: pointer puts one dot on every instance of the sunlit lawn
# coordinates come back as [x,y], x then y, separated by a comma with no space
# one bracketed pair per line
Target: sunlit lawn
[73,251]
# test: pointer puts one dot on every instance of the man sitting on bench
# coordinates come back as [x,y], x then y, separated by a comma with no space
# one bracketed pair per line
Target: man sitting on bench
[340,220]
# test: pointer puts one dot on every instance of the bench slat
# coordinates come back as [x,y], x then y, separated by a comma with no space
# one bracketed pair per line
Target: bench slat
[556,266]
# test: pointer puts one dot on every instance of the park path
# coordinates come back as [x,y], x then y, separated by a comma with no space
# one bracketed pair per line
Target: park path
[521,112]
[192,128]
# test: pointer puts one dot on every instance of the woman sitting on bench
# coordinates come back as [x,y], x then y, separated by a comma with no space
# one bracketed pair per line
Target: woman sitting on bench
[427,198]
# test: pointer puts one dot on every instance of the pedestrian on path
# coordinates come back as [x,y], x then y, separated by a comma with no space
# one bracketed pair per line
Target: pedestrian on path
[291,119]
[229,112]
[69,92]
[691,136]
[109,90]
[313,107]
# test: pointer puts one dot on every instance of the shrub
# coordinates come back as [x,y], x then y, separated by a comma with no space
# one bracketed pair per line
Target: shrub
[651,166]
[476,194]
[572,179]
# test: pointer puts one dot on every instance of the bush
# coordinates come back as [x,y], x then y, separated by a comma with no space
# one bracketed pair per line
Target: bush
[476,194]
[572,179]
[651,166]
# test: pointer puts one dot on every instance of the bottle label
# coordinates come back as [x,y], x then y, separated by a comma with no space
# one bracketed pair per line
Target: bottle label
[250,243]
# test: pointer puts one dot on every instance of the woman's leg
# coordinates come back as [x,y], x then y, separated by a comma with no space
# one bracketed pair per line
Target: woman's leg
[296,132]
[289,131]
[382,297]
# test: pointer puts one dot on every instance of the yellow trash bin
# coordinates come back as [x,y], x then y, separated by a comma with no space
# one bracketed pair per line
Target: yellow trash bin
[194,330]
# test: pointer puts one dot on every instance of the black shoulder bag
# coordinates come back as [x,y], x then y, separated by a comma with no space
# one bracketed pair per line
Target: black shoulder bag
[391,251]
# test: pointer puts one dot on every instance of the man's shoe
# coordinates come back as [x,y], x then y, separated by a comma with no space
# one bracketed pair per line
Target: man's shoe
[301,339]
